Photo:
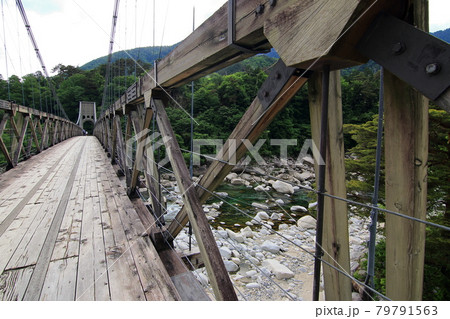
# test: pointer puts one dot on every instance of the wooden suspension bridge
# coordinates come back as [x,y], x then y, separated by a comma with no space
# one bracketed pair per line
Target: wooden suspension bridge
[72,229]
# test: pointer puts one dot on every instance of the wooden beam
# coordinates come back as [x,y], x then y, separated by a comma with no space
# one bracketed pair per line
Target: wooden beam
[406,153]
[141,131]
[335,232]
[20,141]
[305,32]
[3,147]
[33,125]
[252,124]
[218,275]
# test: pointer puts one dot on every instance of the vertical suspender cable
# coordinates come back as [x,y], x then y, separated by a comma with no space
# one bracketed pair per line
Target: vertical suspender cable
[321,184]
[374,212]
[191,158]
[6,52]
[111,47]
[39,56]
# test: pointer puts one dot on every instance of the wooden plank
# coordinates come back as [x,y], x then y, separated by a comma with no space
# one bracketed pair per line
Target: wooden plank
[123,277]
[252,124]
[187,285]
[60,281]
[335,232]
[220,281]
[13,283]
[38,278]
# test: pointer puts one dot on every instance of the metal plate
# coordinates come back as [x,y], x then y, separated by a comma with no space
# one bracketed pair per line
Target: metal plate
[131,93]
[409,53]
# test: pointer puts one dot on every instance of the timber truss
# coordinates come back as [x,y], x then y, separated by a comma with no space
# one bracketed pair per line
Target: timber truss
[44,130]
[314,39]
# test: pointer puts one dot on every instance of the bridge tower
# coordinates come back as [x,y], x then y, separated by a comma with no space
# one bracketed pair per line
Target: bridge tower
[87,114]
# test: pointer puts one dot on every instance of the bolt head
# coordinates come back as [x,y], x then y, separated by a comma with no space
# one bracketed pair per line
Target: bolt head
[433,68]
[260,9]
[273,3]
[398,48]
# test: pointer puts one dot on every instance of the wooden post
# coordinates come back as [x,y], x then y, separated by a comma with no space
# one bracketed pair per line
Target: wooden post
[335,231]
[406,153]
[23,132]
[218,275]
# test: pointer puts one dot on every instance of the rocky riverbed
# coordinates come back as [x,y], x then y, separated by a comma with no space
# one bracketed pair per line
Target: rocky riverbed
[269,257]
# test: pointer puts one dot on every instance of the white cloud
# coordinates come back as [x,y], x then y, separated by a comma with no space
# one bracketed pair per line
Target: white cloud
[73,32]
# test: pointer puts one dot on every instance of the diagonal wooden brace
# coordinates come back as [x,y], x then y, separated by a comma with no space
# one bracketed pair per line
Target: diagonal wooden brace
[256,119]
[218,275]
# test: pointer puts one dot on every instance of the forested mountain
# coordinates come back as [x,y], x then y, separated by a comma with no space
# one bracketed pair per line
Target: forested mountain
[443,35]
[145,54]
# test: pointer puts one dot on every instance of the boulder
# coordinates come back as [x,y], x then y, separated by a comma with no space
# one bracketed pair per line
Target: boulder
[305,176]
[260,206]
[279,201]
[262,215]
[225,252]
[275,216]
[236,237]
[259,188]
[247,232]
[230,266]
[282,187]
[280,271]
[252,285]
[270,247]
[238,181]
[306,222]
[231,176]
[299,208]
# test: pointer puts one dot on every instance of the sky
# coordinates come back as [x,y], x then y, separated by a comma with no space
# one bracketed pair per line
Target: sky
[74,32]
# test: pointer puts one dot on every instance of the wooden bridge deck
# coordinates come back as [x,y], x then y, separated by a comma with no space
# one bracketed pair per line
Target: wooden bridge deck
[69,232]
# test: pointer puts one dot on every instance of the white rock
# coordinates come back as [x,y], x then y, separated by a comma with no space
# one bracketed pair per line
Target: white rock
[231,266]
[237,237]
[263,215]
[279,201]
[251,273]
[259,188]
[247,232]
[222,194]
[236,260]
[283,227]
[305,176]
[280,271]
[253,285]
[260,206]
[225,252]
[312,205]
[270,247]
[306,222]
[231,176]
[222,234]
[238,181]
[299,209]
[282,187]
[275,216]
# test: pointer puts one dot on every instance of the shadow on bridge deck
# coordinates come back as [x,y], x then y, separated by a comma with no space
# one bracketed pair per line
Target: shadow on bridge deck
[68,231]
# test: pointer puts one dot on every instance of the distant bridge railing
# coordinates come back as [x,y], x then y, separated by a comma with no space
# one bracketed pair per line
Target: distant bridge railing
[25,131]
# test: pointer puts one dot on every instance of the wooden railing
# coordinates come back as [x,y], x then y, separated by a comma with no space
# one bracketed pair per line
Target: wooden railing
[25,131]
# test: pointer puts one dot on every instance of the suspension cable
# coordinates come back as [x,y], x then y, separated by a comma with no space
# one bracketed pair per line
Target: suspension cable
[6,52]
[111,47]
[39,56]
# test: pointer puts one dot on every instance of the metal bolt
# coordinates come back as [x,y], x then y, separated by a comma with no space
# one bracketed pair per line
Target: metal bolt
[259,9]
[273,3]
[433,68]
[266,94]
[278,75]
[398,48]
